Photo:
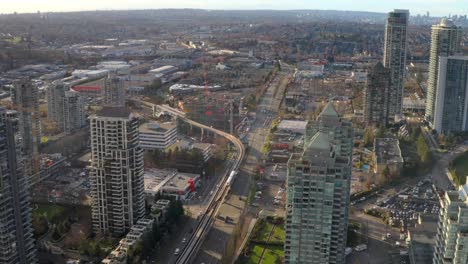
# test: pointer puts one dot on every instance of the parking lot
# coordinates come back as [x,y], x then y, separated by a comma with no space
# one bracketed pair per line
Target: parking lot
[405,207]
[270,196]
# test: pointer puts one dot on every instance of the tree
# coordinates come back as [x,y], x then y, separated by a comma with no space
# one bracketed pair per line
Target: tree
[380,132]
[147,243]
[175,211]
[386,172]
[415,133]
[368,137]
[40,225]
[156,232]
[423,150]
[156,84]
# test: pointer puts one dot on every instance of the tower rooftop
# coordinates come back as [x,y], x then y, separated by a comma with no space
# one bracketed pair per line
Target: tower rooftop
[329,110]
[319,141]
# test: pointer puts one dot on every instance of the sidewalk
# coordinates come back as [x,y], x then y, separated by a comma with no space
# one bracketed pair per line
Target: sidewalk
[249,232]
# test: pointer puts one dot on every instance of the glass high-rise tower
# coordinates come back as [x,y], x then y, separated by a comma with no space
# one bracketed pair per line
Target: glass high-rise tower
[446,39]
[395,57]
[16,233]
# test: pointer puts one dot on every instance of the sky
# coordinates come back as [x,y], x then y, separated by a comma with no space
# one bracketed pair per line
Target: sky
[435,7]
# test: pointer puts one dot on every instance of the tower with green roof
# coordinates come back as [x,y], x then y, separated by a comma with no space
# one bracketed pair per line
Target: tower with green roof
[318,186]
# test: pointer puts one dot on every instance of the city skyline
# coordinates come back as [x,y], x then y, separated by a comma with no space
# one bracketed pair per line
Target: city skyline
[434,7]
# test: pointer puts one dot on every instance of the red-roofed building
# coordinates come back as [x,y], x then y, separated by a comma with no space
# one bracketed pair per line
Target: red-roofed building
[88,90]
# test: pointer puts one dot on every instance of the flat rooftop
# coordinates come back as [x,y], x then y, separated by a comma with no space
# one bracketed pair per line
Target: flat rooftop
[152,127]
[187,144]
[180,182]
[292,125]
[387,150]
[116,112]
[155,179]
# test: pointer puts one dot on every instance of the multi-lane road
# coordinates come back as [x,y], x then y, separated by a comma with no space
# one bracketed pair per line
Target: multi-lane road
[208,216]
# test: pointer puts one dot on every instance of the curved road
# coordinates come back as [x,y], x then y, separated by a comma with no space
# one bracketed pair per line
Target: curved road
[194,242]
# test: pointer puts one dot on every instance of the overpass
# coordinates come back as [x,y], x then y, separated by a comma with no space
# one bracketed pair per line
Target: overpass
[206,220]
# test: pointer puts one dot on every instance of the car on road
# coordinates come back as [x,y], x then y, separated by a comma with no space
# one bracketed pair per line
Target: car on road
[360,247]
[177,251]
[348,251]
[184,240]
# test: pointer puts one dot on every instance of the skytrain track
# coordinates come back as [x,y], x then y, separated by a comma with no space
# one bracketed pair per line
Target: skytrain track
[206,220]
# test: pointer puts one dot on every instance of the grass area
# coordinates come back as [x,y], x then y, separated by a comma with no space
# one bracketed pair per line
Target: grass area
[255,254]
[258,243]
[265,231]
[271,256]
[51,212]
[250,198]
[459,169]
[279,235]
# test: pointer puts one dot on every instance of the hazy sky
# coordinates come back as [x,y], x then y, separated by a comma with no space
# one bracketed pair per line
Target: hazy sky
[435,7]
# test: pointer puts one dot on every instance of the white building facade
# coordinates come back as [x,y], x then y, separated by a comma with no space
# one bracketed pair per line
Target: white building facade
[116,171]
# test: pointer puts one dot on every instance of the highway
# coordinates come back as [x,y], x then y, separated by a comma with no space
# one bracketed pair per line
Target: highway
[189,252]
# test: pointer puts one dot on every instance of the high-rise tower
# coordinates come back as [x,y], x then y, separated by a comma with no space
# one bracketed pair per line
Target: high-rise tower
[452,231]
[74,116]
[26,102]
[117,184]
[446,39]
[55,94]
[395,58]
[65,107]
[318,187]
[451,98]
[16,234]
[114,91]
[376,95]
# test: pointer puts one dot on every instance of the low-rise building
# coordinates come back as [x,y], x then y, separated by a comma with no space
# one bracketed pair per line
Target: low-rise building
[181,185]
[206,150]
[156,135]
[292,126]
[159,210]
[116,257]
[171,183]
[155,179]
[119,254]
[164,70]
[387,153]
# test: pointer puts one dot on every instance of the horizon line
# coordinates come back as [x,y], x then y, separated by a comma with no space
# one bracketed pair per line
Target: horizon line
[201,9]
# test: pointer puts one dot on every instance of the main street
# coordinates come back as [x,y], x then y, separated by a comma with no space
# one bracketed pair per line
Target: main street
[214,247]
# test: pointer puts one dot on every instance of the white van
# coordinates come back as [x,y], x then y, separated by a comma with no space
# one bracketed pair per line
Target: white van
[361,247]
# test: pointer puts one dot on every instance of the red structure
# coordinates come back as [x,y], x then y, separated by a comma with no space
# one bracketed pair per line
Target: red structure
[87,89]
[191,185]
